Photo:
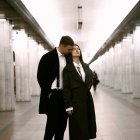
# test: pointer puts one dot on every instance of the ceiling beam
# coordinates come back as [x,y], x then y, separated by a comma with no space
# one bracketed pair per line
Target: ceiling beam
[17,13]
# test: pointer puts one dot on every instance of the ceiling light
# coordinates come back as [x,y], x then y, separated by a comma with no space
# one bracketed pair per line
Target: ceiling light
[80,22]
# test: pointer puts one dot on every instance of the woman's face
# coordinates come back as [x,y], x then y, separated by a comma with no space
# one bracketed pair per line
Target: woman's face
[76,51]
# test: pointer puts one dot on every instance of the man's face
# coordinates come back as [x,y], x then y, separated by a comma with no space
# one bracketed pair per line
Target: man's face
[67,49]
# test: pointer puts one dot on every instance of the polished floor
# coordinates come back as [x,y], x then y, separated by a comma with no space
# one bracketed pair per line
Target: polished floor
[118,118]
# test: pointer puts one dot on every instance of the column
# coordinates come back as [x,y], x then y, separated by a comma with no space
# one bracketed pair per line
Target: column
[136,43]
[34,56]
[7,97]
[20,45]
[124,65]
[117,73]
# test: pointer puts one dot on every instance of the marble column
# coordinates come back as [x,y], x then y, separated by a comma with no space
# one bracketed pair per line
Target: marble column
[111,67]
[136,44]
[105,73]
[7,97]
[117,71]
[20,45]
[102,67]
[34,57]
[129,63]
[124,65]
[107,68]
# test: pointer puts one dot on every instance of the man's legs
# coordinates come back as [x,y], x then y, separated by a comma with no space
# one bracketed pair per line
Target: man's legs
[61,126]
[56,118]
[50,128]
[61,119]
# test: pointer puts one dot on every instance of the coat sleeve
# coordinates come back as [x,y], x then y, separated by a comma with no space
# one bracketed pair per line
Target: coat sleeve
[67,90]
[42,74]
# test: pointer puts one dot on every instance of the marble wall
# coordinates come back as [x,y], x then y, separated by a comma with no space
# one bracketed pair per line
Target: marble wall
[119,67]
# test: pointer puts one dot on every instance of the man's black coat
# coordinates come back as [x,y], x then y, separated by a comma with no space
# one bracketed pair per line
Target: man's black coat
[48,70]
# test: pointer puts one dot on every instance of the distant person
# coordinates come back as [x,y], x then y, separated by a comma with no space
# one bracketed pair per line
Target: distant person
[49,77]
[95,80]
[77,81]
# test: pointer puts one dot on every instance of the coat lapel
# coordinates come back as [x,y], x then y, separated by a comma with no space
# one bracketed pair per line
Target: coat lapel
[76,76]
[74,72]
[88,76]
[86,71]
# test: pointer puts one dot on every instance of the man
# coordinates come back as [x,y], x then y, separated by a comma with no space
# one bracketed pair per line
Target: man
[49,77]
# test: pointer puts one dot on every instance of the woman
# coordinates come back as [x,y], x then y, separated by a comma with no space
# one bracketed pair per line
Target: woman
[77,98]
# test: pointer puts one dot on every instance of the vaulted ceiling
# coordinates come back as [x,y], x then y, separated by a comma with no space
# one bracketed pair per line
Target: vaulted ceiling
[100,18]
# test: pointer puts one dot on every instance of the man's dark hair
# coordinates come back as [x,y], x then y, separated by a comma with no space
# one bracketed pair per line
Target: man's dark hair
[66,40]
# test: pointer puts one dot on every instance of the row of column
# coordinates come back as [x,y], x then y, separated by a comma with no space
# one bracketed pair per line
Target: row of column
[18,80]
[119,68]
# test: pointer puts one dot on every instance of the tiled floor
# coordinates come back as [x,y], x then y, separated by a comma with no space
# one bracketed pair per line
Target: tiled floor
[117,118]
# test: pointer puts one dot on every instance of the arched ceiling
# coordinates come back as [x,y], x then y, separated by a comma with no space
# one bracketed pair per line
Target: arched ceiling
[100,18]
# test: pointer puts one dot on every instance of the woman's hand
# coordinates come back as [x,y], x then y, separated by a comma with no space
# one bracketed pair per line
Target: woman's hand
[70,112]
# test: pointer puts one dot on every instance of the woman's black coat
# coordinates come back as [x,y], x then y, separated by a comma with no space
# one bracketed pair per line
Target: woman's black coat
[82,124]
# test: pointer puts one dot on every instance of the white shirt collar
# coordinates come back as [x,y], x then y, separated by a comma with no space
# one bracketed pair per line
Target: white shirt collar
[77,65]
[59,53]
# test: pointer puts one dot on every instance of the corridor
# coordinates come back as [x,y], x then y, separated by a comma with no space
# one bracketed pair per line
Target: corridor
[118,118]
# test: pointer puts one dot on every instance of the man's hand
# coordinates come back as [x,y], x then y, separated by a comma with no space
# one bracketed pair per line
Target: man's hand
[49,96]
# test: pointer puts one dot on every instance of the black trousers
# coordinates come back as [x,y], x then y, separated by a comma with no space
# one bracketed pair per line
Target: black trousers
[56,117]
